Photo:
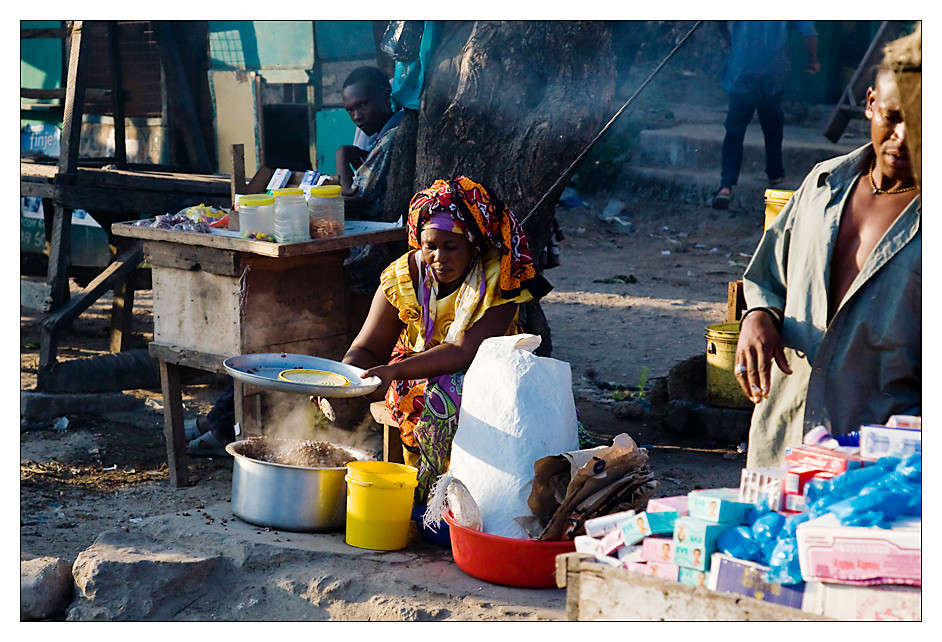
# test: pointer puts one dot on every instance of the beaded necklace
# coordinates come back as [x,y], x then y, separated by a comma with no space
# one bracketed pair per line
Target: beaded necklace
[877,191]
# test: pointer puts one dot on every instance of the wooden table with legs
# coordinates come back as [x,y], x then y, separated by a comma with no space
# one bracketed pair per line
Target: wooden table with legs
[219,295]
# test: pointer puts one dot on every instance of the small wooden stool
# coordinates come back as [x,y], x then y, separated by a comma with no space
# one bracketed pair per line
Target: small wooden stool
[392,444]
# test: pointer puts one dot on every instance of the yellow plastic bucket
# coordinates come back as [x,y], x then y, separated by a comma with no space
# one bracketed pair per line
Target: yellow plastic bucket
[379,504]
[722,387]
[775,200]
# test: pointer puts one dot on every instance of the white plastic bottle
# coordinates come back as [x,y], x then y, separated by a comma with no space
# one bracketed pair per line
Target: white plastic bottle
[290,218]
[325,208]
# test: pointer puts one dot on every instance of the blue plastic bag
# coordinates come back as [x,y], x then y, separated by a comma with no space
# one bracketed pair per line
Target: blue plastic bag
[783,563]
[741,543]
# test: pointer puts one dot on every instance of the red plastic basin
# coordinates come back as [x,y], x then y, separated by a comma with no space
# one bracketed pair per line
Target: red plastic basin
[505,560]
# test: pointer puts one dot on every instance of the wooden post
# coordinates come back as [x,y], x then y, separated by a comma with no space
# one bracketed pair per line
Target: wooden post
[180,96]
[735,301]
[57,276]
[117,93]
[173,424]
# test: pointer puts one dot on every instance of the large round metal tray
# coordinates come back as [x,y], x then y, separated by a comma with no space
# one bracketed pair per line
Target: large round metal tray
[263,370]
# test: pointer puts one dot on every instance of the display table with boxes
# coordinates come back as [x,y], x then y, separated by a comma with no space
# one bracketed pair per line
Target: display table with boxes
[832,533]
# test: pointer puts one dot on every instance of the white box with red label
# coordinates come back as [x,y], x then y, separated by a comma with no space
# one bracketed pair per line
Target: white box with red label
[830,552]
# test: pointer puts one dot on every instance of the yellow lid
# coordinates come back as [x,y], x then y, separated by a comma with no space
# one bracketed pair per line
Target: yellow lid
[778,195]
[286,191]
[326,191]
[256,200]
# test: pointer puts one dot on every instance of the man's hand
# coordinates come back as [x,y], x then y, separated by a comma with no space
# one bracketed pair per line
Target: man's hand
[759,344]
[813,66]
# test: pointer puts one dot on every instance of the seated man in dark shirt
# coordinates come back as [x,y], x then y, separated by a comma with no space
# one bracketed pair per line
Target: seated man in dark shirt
[363,172]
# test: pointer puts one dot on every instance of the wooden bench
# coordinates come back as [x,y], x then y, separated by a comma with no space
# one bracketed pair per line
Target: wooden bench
[392,443]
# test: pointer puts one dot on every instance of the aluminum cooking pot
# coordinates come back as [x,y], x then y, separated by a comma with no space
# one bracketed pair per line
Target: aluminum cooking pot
[290,498]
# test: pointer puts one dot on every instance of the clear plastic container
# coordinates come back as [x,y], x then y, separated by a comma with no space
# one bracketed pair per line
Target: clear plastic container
[325,209]
[255,214]
[290,221]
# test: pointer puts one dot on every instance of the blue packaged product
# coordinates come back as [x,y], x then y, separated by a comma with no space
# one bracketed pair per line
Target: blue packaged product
[783,563]
[741,543]
[851,439]
[843,486]
[768,526]
[911,468]
[789,528]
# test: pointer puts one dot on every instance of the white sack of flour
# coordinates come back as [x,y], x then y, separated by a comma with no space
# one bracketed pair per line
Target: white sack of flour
[516,408]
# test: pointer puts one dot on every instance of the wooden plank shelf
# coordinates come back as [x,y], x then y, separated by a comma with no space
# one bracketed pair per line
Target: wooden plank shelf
[357,233]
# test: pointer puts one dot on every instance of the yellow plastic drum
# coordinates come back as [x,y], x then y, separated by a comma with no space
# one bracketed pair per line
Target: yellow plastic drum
[722,387]
[379,504]
[775,200]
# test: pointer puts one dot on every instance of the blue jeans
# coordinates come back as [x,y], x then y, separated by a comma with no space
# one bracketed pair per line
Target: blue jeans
[772,120]
[221,416]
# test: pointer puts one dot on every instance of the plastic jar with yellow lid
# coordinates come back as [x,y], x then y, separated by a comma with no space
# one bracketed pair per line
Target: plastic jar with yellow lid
[255,214]
[290,218]
[325,212]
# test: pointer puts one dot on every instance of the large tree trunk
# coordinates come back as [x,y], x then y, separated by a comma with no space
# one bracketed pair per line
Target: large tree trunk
[511,105]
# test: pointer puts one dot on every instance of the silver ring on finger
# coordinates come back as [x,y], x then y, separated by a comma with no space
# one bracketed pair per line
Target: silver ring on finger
[740,368]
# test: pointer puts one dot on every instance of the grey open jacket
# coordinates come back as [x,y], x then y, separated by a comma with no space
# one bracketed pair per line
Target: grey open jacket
[866,364]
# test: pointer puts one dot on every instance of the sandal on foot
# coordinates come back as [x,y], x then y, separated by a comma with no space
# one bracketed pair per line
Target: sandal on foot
[206,445]
[721,201]
[191,429]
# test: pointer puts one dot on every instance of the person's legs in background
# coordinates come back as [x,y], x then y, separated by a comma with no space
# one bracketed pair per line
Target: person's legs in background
[210,434]
[772,119]
[738,117]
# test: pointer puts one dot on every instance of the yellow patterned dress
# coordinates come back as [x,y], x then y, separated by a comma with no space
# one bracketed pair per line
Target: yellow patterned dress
[427,409]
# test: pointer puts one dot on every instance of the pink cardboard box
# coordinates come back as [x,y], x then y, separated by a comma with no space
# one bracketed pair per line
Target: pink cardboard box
[829,552]
[667,504]
[658,549]
[663,571]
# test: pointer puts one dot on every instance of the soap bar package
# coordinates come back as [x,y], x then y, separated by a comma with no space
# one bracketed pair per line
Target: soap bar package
[739,577]
[695,541]
[694,577]
[630,554]
[611,542]
[658,549]
[883,441]
[878,603]
[602,526]
[663,571]
[863,555]
[675,504]
[719,505]
[645,524]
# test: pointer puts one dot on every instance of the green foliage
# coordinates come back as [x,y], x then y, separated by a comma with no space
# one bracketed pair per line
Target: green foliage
[640,394]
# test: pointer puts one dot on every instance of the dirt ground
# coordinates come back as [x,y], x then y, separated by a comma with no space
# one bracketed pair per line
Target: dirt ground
[626,306]
[622,312]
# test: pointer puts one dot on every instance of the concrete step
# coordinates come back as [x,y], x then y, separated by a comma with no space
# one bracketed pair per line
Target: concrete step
[699,146]
[698,186]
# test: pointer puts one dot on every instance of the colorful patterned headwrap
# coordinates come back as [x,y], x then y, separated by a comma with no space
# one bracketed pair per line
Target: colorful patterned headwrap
[486,222]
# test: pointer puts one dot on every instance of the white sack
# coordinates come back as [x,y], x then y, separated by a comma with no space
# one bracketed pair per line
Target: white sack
[516,408]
